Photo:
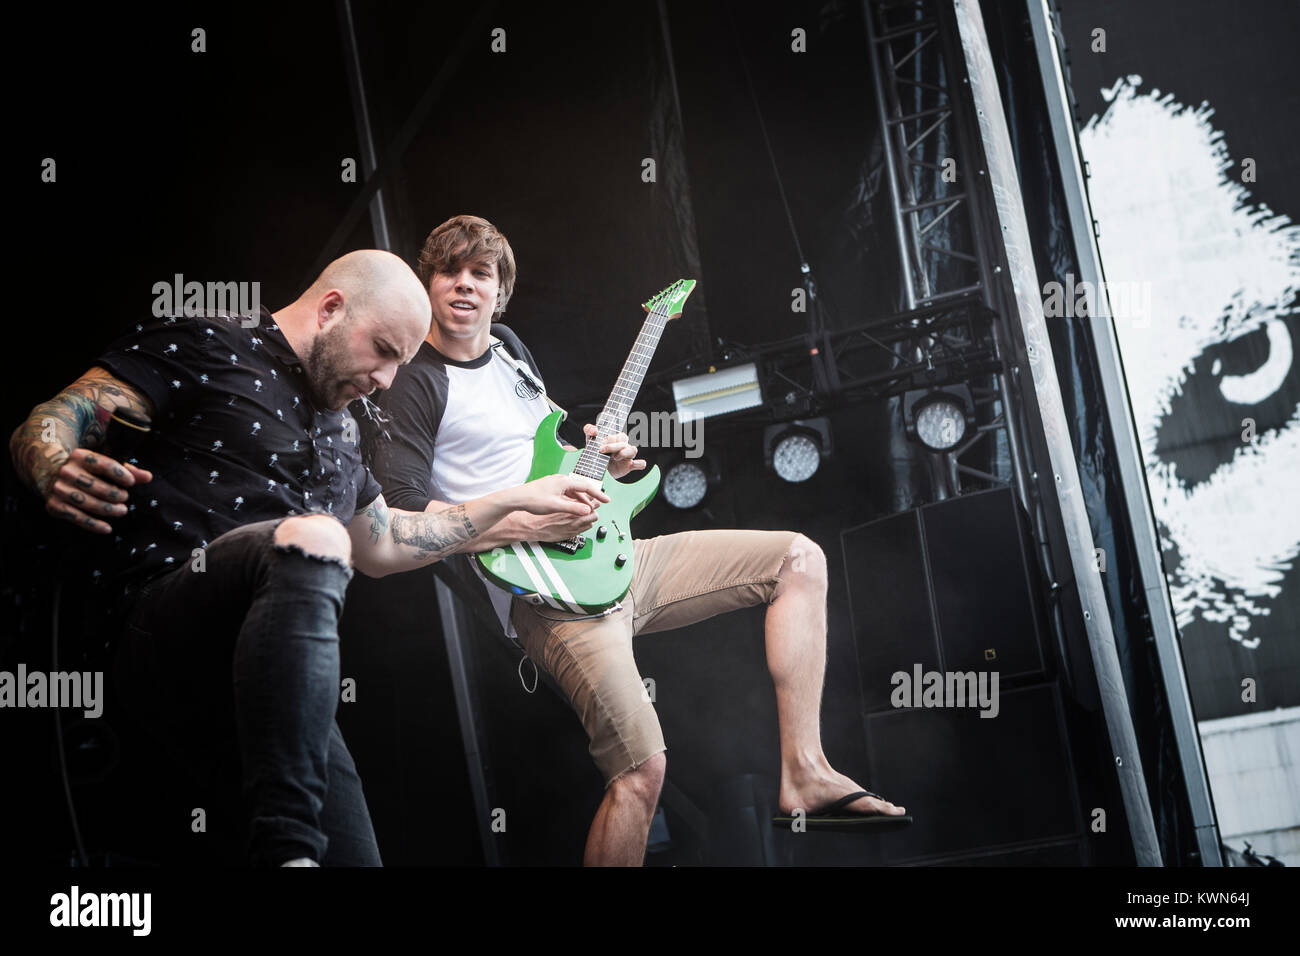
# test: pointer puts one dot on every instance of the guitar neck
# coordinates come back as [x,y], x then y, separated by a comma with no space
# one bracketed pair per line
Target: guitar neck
[613,418]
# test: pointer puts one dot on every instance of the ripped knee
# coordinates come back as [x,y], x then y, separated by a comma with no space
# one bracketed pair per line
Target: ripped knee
[805,563]
[315,536]
[644,780]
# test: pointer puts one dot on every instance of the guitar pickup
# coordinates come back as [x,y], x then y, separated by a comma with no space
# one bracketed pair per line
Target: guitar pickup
[571,545]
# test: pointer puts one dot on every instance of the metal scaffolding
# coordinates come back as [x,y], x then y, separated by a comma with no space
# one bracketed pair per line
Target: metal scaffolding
[1047,436]
[926,172]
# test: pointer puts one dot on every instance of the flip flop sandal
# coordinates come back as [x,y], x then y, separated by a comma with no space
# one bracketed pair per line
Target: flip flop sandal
[833,817]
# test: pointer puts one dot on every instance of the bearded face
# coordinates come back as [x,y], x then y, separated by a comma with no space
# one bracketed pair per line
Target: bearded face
[1210,373]
[332,375]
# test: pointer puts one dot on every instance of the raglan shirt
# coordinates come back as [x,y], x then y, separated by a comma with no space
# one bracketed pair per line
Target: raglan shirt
[456,431]
[235,439]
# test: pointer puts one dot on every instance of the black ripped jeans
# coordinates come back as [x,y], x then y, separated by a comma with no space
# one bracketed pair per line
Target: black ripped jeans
[235,670]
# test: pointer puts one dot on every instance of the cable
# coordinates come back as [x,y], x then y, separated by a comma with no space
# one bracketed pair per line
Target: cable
[536,675]
[58,726]
[126,431]
[776,173]
[585,617]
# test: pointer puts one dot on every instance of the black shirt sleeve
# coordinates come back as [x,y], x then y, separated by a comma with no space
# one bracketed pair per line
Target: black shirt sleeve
[367,488]
[163,359]
[401,449]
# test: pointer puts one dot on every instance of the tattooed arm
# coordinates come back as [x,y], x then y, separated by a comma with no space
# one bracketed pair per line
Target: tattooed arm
[386,540]
[53,454]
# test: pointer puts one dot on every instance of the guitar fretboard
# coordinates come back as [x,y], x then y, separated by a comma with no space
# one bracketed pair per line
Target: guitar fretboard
[613,418]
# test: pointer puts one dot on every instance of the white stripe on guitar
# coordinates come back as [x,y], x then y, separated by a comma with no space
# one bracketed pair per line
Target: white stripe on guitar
[542,591]
[561,588]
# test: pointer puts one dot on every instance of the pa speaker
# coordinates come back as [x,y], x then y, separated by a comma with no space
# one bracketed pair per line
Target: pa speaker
[976,783]
[950,587]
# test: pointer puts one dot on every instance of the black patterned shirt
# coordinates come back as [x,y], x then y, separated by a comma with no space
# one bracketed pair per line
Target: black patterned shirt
[235,439]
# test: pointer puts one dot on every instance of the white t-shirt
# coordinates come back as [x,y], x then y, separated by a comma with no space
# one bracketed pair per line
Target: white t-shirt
[458,431]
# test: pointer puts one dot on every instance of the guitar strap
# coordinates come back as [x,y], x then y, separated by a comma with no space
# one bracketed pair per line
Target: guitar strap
[525,373]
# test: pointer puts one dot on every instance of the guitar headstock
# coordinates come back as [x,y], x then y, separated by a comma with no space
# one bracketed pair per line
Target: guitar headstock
[672,300]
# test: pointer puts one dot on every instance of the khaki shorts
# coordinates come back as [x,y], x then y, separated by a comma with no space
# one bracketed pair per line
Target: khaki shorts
[679,579]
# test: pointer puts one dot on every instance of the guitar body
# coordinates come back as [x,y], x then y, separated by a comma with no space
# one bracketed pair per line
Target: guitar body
[588,579]
[591,573]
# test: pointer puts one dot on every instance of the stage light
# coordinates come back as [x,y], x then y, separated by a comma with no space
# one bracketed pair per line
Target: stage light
[795,450]
[685,484]
[938,418]
[940,424]
[725,390]
[796,457]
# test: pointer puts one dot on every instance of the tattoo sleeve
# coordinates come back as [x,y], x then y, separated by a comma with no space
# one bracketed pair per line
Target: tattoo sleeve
[437,533]
[75,418]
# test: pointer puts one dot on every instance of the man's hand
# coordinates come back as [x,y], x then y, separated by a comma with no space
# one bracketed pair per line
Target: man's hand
[561,506]
[552,527]
[622,456]
[549,509]
[55,450]
[568,495]
[89,488]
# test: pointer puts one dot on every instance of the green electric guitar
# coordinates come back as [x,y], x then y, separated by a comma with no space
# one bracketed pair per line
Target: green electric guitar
[590,573]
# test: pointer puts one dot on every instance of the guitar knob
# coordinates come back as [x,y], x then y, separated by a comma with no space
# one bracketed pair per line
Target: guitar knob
[600,533]
[620,560]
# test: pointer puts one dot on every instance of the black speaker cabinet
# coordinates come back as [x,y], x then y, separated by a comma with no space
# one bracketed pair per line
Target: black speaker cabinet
[949,586]
[983,791]
[954,587]
[976,783]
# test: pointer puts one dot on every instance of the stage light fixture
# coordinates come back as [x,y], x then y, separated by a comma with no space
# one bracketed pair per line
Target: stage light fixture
[718,392]
[796,457]
[938,418]
[795,450]
[685,484]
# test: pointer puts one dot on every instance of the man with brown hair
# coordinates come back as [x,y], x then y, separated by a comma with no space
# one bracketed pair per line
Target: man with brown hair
[462,422]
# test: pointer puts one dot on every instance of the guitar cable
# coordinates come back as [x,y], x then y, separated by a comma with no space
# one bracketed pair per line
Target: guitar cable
[537,677]
[584,617]
[80,845]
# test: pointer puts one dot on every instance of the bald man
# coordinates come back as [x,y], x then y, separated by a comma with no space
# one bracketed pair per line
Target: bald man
[216,459]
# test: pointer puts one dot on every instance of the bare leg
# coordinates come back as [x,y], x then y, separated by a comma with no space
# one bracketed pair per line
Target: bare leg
[622,823]
[796,657]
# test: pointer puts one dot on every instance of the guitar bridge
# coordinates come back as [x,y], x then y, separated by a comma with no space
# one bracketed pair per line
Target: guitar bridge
[571,545]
